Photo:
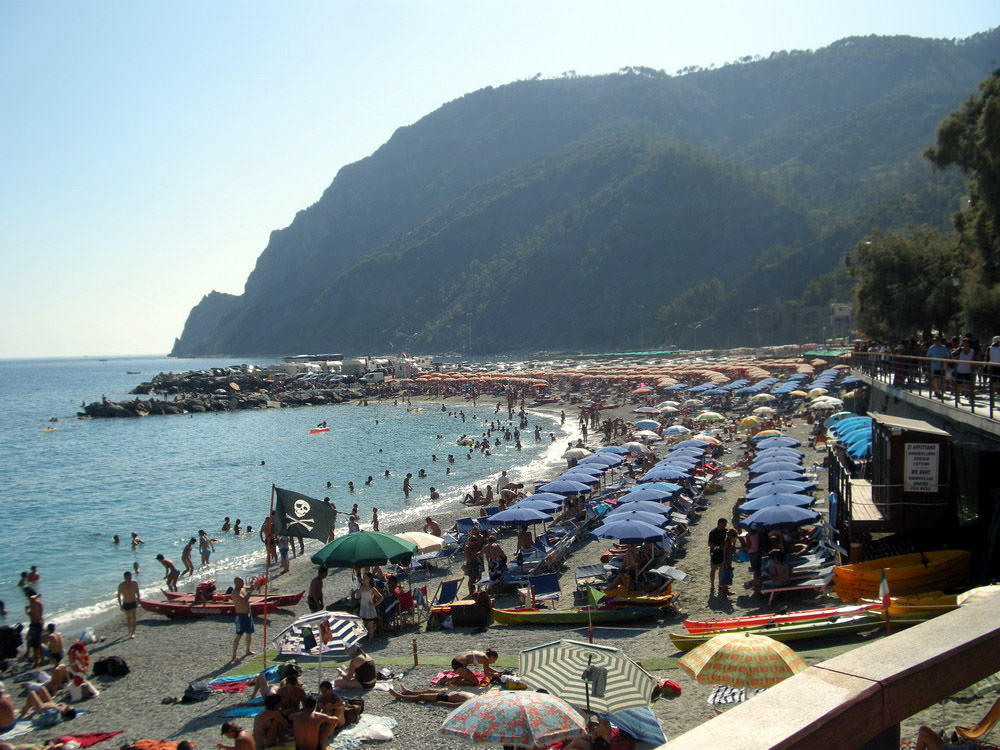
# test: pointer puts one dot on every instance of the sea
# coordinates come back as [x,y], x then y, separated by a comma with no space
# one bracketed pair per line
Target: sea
[65,493]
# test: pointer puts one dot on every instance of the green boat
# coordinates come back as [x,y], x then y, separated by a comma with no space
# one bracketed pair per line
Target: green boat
[793,631]
[575,616]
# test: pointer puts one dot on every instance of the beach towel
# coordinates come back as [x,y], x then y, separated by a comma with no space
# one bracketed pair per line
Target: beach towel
[88,739]
[448,676]
[156,745]
[21,726]
[230,687]
[244,711]
[238,683]
[271,673]
[370,728]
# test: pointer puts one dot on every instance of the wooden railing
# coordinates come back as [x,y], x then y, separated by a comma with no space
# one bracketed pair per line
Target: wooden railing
[858,699]
[936,378]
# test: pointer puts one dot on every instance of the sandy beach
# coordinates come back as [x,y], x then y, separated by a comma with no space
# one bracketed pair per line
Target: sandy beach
[167,655]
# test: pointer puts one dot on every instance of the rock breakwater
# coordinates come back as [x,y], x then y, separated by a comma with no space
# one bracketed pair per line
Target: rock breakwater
[215,390]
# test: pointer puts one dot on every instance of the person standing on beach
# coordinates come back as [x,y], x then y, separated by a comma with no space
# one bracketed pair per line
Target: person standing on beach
[205,546]
[716,538]
[172,574]
[128,600]
[315,598]
[374,519]
[244,621]
[34,639]
[186,558]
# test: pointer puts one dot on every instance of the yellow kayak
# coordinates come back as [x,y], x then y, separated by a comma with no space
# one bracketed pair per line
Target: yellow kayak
[906,574]
[919,606]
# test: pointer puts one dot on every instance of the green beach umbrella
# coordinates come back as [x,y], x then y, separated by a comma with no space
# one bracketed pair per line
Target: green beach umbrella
[364,548]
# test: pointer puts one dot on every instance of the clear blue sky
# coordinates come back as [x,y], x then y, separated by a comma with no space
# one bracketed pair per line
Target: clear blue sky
[149,148]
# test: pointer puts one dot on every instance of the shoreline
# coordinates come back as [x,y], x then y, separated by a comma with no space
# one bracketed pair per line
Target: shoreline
[446,510]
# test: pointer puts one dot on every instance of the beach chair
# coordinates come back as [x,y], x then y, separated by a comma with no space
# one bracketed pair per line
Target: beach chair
[541,588]
[590,575]
[812,584]
[447,592]
[464,525]
[407,608]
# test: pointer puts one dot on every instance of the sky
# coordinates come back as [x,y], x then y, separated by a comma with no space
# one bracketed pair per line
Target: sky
[148,149]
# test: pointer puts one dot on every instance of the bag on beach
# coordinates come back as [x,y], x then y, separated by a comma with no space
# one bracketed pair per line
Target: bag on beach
[112,666]
[289,667]
[353,709]
[196,692]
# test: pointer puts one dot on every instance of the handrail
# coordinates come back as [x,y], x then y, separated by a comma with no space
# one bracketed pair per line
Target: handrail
[936,378]
[858,699]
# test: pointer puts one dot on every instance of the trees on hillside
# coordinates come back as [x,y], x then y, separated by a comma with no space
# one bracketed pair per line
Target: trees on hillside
[969,138]
[905,282]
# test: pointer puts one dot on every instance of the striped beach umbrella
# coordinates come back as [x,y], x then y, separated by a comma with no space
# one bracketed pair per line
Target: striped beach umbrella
[559,668]
[320,634]
[742,660]
[515,717]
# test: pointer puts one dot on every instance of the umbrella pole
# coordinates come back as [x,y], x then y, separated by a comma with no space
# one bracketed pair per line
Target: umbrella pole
[267,570]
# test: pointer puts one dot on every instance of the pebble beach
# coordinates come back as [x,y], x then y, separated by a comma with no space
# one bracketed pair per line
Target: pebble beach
[167,655]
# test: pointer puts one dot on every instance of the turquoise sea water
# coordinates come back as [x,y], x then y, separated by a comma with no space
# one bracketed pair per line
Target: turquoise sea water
[64,494]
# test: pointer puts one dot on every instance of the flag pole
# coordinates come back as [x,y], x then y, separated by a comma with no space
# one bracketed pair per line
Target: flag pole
[267,567]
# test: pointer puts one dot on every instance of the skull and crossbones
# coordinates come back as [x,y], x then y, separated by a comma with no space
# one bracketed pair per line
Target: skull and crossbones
[300,508]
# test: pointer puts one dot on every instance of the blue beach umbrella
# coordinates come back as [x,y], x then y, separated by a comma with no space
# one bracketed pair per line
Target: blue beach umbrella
[771,466]
[780,516]
[595,470]
[776,476]
[654,519]
[647,424]
[551,497]
[617,449]
[629,531]
[646,506]
[543,505]
[608,459]
[778,453]
[676,429]
[666,486]
[518,516]
[663,475]
[645,494]
[579,476]
[692,442]
[801,501]
[780,488]
[779,441]
[565,487]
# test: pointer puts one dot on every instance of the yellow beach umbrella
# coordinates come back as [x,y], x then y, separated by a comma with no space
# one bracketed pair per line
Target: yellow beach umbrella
[799,394]
[749,421]
[742,660]
[709,416]
[817,392]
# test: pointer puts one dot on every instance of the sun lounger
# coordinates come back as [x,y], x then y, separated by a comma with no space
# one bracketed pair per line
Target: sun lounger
[812,584]
[588,575]
[541,588]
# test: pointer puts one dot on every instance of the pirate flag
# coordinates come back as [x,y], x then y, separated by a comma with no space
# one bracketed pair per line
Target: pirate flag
[298,515]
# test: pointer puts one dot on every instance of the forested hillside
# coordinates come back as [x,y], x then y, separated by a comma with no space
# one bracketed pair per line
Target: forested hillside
[609,211]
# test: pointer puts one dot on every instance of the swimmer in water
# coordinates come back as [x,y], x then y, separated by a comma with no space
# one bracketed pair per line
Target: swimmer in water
[368,482]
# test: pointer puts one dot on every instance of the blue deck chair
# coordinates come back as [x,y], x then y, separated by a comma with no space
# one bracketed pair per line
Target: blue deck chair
[464,525]
[542,588]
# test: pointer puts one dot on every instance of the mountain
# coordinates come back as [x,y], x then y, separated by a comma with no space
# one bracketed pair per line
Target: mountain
[611,211]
